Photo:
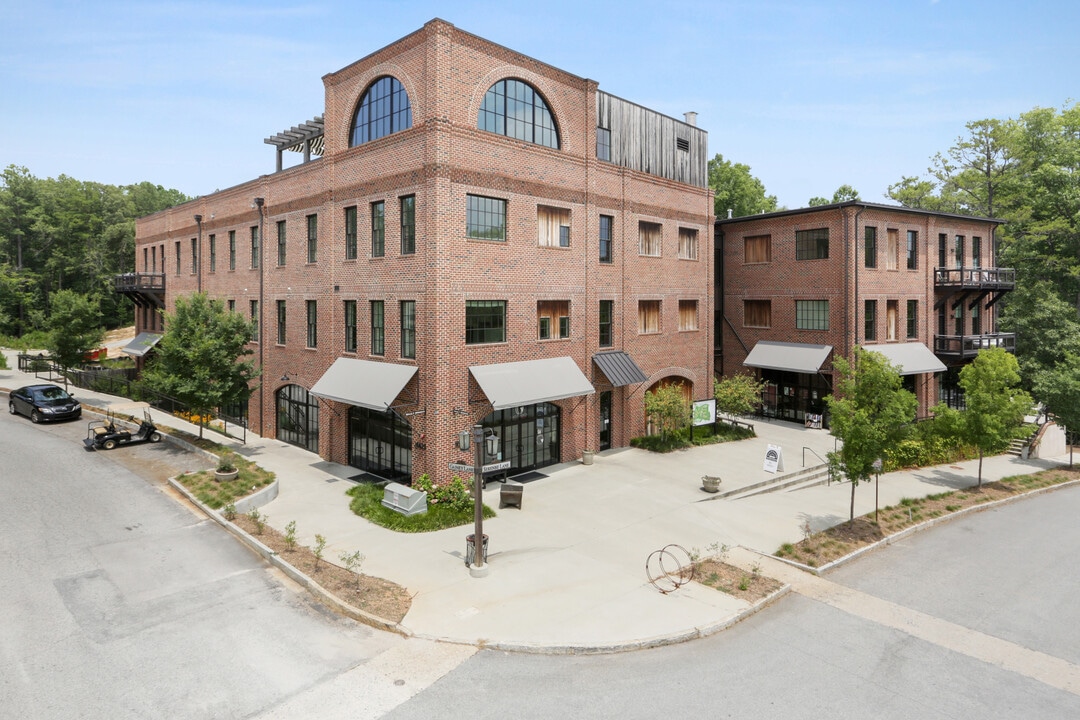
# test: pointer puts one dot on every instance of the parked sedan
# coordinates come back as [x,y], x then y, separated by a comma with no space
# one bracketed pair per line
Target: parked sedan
[44,402]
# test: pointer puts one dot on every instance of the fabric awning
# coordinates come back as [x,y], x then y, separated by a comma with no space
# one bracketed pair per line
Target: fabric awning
[368,384]
[788,356]
[142,344]
[619,368]
[531,381]
[912,358]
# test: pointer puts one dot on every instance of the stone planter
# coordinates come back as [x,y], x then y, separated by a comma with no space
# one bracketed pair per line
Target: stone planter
[223,475]
[710,483]
[587,457]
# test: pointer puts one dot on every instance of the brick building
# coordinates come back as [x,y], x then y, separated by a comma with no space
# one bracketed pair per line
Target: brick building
[473,236]
[795,287]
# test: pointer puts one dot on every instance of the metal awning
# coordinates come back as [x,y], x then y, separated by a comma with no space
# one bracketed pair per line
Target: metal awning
[619,368]
[142,344]
[912,358]
[368,384]
[787,356]
[531,381]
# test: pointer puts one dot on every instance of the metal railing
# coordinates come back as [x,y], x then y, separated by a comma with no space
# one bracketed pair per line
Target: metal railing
[975,277]
[132,282]
[970,345]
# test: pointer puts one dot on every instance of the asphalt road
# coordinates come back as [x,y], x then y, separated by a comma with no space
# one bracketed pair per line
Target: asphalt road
[120,602]
[976,618]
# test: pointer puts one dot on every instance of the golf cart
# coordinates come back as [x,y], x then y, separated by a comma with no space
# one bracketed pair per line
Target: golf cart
[106,434]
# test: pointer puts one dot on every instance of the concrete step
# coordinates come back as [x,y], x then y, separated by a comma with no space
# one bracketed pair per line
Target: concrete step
[813,474]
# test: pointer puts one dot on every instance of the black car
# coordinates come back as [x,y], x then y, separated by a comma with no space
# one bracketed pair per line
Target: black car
[44,402]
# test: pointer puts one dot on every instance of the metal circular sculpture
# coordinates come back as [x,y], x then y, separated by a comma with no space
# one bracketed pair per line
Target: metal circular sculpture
[669,568]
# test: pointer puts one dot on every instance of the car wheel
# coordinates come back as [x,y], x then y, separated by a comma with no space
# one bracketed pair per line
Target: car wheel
[11,408]
[35,416]
[155,437]
[109,444]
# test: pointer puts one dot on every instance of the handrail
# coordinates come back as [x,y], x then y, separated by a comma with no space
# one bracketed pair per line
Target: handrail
[823,461]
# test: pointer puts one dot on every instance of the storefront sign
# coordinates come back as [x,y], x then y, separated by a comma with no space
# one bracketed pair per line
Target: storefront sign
[774,459]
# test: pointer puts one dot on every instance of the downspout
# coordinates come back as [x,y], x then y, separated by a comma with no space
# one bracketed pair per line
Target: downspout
[856,251]
[198,256]
[262,340]
[718,269]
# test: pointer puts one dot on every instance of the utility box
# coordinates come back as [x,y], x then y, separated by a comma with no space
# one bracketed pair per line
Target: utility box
[404,500]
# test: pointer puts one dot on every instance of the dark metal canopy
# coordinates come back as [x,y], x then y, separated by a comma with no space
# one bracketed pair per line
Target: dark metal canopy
[619,368]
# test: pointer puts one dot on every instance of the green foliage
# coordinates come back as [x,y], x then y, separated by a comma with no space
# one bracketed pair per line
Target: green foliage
[1046,327]
[74,328]
[318,550]
[3,362]
[455,493]
[667,408]
[229,512]
[737,190]
[703,435]
[1059,390]
[258,519]
[870,413]
[197,359]
[367,503]
[737,394]
[353,562]
[844,193]
[290,535]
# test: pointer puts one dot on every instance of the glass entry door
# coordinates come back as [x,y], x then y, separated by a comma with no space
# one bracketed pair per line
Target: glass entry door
[605,420]
[528,435]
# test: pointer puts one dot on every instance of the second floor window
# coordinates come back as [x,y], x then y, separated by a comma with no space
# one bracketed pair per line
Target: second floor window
[177,257]
[603,144]
[485,321]
[350,326]
[408,225]
[485,218]
[870,247]
[606,324]
[912,319]
[648,316]
[213,254]
[254,246]
[687,244]
[553,227]
[281,242]
[812,314]
[408,328]
[378,328]
[812,244]
[255,320]
[281,322]
[757,313]
[232,249]
[912,250]
[757,249]
[607,224]
[350,233]
[378,229]
[553,319]
[312,238]
[312,323]
[649,239]
[870,320]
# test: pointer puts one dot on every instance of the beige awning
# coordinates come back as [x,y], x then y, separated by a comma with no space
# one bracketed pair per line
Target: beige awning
[142,344]
[373,385]
[787,356]
[531,381]
[911,358]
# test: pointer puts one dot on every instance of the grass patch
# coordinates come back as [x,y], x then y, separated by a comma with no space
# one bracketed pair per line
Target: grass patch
[367,503]
[703,435]
[205,486]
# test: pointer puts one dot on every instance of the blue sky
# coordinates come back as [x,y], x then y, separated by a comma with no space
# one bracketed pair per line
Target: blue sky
[811,94]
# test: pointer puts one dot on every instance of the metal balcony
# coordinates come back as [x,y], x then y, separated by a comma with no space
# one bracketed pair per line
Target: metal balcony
[975,278]
[144,289]
[968,346]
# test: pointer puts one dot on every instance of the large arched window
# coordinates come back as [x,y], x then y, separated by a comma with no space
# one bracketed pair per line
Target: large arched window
[383,109]
[514,108]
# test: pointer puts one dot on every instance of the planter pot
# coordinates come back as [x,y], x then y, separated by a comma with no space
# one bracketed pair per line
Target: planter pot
[587,457]
[710,484]
[222,476]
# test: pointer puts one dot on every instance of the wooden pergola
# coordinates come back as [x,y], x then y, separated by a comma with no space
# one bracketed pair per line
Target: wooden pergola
[307,137]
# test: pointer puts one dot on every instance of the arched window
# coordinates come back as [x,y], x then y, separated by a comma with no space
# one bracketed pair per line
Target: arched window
[383,109]
[514,108]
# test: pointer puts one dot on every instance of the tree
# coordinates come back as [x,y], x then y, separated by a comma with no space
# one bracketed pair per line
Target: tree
[74,328]
[920,194]
[978,168]
[995,403]
[870,412]
[737,190]
[1046,327]
[1059,390]
[737,394]
[667,407]
[844,193]
[197,360]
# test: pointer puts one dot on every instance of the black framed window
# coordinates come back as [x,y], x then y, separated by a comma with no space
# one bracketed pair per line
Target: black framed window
[378,328]
[378,229]
[607,225]
[603,144]
[943,252]
[607,312]
[255,250]
[281,242]
[350,233]
[178,251]
[812,314]
[515,109]
[812,244]
[255,320]
[408,224]
[408,328]
[485,321]
[312,238]
[213,253]
[912,250]
[232,249]
[958,252]
[194,256]
[912,319]
[976,252]
[870,247]
[485,218]
[383,109]
[350,326]
[312,323]
[281,322]
[870,320]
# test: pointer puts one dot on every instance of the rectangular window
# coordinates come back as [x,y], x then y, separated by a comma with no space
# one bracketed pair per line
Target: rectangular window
[378,328]
[649,238]
[912,319]
[870,319]
[485,218]
[976,252]
[607,311]
[378,229]
[213,254]
[232,306]
[312,323]
[892,249]
[607,224]
[232,249]
[153,259]
[812,244]
[177,257]
[255,251]
[757,249]
[350,326]
[408,226]
[280,243]
[553,318]
[350,233]
[958,319]
[687,315]
[648,313]
[312,238]
[255,320]
[812,314]
[408,328]
[870,246]
[603,144]
[485,321]
[942,248]
[687,244]
[892,319]
[552,226]
[958,252]
[757,313]
[912,250]
[281,322]
[976,320]
[194,256]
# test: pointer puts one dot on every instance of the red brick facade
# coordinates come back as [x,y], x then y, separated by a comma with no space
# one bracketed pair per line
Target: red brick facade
[440,160]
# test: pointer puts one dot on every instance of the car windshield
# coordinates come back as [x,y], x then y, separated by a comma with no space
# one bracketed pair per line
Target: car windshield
[52,393]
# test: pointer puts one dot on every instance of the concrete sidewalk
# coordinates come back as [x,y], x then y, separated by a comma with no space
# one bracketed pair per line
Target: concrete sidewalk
[567,570]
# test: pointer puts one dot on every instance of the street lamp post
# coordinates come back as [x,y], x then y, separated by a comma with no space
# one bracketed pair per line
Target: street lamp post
[478,569]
